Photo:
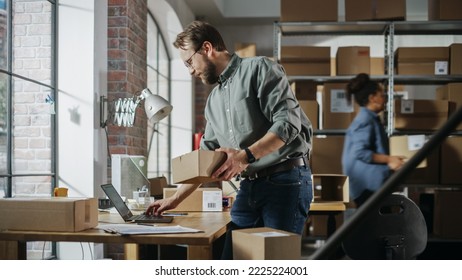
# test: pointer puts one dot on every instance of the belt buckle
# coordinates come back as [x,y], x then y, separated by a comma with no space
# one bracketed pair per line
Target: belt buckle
[248,176]
[252,177]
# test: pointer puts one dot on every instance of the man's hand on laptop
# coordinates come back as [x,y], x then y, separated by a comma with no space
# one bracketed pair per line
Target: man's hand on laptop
[159,206]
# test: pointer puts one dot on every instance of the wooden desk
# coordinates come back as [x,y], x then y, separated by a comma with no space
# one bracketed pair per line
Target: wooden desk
[329,208]
[214,225]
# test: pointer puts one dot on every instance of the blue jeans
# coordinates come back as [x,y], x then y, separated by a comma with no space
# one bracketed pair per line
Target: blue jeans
[280,201]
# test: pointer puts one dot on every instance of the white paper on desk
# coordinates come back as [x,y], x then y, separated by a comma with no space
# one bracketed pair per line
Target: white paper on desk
[131,229]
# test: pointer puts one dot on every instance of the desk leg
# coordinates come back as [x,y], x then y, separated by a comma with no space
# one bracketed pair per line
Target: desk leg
[200,252]
[131,251]
[13,250]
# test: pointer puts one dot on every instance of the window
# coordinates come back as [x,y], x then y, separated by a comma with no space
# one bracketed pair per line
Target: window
[26,97]
[27,90]
[159,152]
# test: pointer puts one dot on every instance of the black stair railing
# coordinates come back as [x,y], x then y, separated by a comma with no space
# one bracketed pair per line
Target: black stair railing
[334,241]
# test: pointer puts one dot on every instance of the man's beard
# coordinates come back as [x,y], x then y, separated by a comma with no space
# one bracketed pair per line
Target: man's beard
[210,77]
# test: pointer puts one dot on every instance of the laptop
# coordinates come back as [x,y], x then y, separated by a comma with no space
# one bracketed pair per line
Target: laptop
[125,212]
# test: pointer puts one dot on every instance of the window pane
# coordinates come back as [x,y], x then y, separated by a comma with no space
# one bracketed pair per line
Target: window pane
[153,83]
[3,35]
[158,82]
[32,186]
[3,124]
[32,39]
[164,87]
[32,120]
[3,186]
[163,61]
[152,44]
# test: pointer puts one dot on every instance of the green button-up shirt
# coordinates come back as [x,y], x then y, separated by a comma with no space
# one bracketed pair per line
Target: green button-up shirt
[253,97]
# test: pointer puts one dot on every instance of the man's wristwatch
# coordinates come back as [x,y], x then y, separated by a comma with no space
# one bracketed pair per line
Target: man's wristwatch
[250,156]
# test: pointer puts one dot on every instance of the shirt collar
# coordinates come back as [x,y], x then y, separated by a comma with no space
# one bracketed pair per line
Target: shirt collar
[229,71]
[369,111]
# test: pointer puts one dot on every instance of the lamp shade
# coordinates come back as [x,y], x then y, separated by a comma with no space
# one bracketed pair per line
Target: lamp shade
[155,106]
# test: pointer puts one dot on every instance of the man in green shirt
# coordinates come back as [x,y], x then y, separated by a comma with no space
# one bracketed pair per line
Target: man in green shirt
[253,116]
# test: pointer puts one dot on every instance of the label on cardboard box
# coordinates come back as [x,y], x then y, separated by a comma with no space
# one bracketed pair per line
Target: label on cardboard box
[212,201]
[441,67]
[407,106]
[415,142]
[270,234]
[339,102]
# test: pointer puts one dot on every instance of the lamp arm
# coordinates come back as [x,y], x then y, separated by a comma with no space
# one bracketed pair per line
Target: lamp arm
[102,111]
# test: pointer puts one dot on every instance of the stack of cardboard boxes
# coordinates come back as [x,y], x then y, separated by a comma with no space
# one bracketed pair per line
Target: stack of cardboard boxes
[197,167]
[364,10]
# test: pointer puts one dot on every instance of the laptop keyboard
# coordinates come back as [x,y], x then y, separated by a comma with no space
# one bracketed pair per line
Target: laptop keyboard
[151,219]
[145,217]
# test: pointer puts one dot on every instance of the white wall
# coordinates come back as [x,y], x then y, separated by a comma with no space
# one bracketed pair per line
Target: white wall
[81,144]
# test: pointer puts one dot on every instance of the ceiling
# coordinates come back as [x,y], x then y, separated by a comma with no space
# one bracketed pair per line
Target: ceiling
[235,12]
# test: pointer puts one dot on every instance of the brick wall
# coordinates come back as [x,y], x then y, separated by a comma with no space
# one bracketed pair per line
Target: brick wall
[127,74]
[127,70]
[202,92]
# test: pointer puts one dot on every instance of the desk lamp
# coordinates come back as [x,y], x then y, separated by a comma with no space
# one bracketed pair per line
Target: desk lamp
[123,110]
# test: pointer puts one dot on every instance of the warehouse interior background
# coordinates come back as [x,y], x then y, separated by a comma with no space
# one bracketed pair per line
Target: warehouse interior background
[78,149]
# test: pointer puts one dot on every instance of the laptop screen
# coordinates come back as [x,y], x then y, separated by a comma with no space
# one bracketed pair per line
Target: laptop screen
[116,199]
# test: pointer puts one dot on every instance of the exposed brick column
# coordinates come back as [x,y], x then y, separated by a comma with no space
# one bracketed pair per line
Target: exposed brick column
[127,70]
[202,92]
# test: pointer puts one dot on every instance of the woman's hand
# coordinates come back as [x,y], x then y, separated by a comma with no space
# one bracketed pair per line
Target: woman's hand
[396,162]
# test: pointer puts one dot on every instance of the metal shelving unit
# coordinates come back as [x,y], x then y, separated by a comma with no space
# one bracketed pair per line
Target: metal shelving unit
[388,29]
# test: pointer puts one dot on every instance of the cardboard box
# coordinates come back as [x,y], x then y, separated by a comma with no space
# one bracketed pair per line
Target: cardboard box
[201,200]
[444,10]
[353,60]
[422,60]
[245,49]
[447,209]
[455,59]
[48,213]
[326,157]
[306,60]
[304,90]
[331,187]
[413,114]
[311,109]
[337,112]
[306,68]
[317,226]
[408,146]
[429,174]
[157,185]
[451,161]
[377,66]
[305,54]
[309,10]
[359,10]
[453,93]
[266,244]
[196,166]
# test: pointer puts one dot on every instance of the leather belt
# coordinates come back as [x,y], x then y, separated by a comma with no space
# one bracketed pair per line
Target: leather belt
[280,167]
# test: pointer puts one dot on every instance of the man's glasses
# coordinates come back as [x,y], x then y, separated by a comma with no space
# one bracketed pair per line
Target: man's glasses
[188,62]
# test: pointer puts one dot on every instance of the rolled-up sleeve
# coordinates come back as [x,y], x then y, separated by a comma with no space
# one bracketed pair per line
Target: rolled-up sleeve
[278,103]
[361,139]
